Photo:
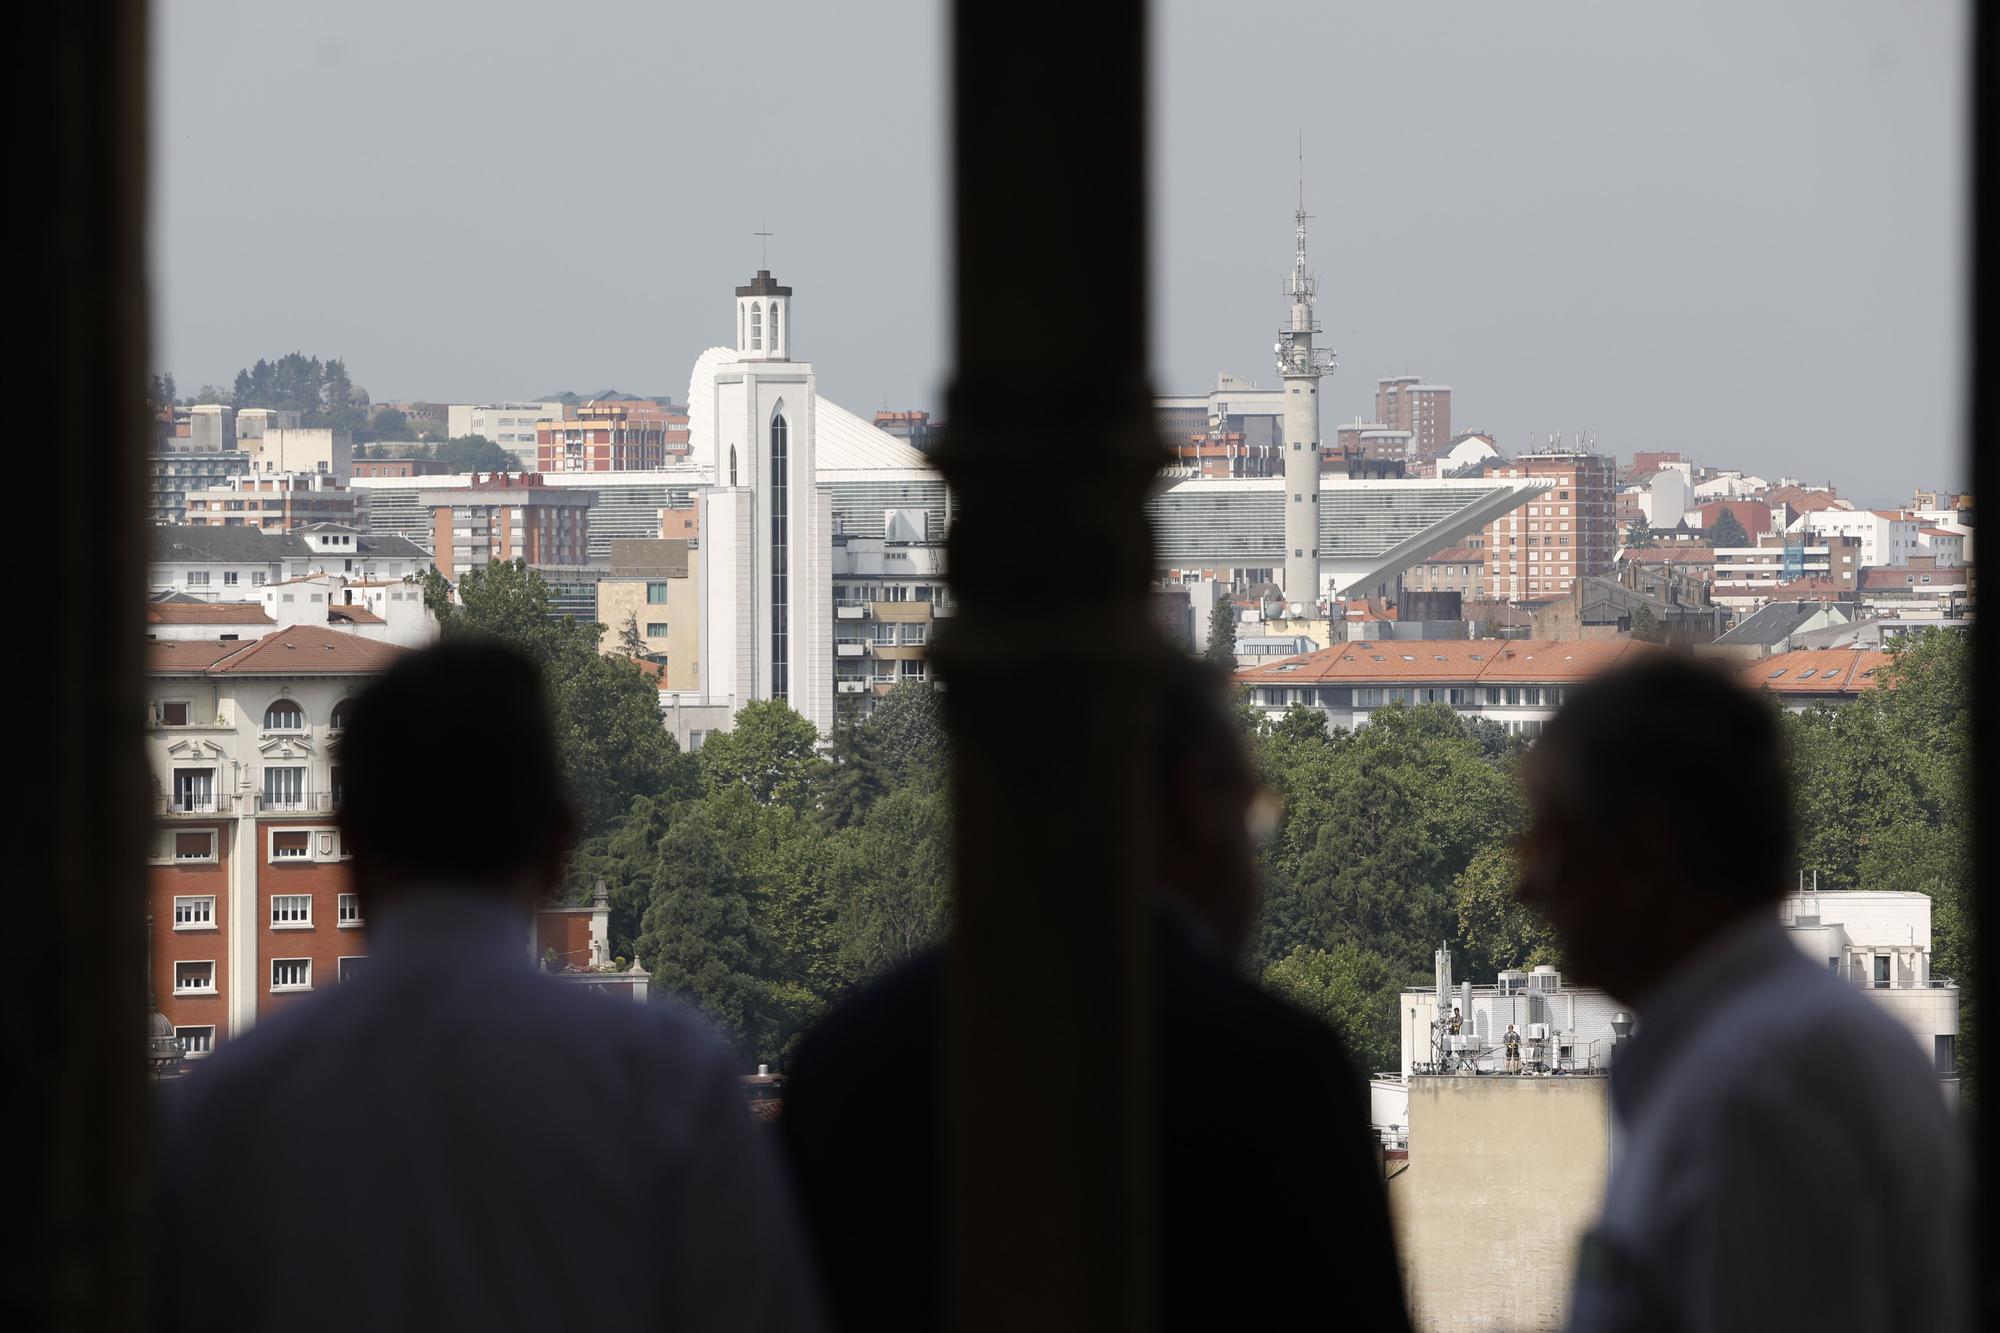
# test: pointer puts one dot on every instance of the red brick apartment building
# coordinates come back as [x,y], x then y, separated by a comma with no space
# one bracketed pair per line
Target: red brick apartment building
[625,436]
[507,516]
[1536,552]
[252,906]
[247,886]
[1406,403]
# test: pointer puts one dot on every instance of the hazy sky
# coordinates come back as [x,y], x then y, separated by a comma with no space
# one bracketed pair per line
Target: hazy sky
[1725,228]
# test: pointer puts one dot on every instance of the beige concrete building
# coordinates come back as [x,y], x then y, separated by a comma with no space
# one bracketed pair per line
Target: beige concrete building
[656,586]
[1504,1176]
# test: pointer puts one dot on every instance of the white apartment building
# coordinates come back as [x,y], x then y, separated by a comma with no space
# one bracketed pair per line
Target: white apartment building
[281,450]
[1887,536]
[889,593]
[509,425]
[1881,941]
[1518,683]
[229,563]
[1746,577]
[1668,494]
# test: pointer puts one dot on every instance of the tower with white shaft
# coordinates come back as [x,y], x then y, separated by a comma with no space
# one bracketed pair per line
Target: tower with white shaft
[1302,366]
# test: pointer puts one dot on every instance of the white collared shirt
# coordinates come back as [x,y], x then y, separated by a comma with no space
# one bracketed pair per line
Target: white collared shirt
[452,1139]
[1785,1160]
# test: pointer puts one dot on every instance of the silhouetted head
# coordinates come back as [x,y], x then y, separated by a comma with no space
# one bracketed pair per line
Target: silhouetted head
[1208,789]
[1660,813]
[450,777]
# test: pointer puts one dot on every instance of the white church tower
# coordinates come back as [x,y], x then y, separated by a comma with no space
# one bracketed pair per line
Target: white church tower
[1302,366]
[766,531]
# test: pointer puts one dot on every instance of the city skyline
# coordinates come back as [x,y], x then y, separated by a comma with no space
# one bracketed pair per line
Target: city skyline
[1724,247]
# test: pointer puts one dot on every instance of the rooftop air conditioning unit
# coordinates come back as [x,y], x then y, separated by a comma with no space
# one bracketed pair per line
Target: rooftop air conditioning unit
[1538,1032]
[1545,979]
[1513,981]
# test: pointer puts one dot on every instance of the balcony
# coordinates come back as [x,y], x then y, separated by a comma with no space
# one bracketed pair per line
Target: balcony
[309,803]
[850,687]
[850,650]
[185,806]
[850,611]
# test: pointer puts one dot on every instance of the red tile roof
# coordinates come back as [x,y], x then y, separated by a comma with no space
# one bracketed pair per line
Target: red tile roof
[1818,671]
[207,613]
[1442,660]
[301,650]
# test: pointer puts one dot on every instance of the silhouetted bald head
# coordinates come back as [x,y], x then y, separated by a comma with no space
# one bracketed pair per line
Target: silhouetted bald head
[1681,742]
[449,769]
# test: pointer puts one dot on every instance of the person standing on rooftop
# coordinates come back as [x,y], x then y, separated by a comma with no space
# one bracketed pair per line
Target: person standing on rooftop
[1785,1157]
[452,1139]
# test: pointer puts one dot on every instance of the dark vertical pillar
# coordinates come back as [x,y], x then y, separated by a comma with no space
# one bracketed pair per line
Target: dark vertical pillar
[80,306]
[1982,436]
[1050,695]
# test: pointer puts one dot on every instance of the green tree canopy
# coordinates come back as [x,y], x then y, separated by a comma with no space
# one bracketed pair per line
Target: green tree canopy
[1351,989]
[1222,634]
[1726,530]
[606,709]
[770,750]
[475,453]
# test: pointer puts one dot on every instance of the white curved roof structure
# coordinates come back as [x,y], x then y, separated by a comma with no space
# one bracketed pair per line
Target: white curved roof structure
[843,443]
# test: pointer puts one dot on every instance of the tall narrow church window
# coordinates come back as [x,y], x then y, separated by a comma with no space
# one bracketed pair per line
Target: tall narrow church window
[756,326]
[742,328]
[732,465]
[774,326]
[780,559]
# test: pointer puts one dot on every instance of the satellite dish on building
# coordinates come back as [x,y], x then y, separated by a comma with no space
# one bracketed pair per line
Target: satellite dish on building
[1298,609]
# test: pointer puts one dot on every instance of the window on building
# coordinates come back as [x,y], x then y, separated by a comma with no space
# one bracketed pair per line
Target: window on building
[284,715]
[194,978]
[656,593]
[291,974]
[196,1042]
[780,547]
[291,845]
[285,788]
[342,712]
[195,845]
[350,909]
[174,713]
[1945,1046]
[1882,971]
[756,327]
[291,909]
[656,629]
[194,790]
[194,912]
[350,967]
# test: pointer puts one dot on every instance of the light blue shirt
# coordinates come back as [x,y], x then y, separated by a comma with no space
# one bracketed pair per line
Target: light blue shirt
[454,1140]
[1785,1160]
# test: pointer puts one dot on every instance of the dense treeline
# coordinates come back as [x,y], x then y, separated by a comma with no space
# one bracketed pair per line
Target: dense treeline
[320,391]
[764,876]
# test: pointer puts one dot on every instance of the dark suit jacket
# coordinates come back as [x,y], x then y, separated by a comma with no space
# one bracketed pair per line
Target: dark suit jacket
[1272,1209]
